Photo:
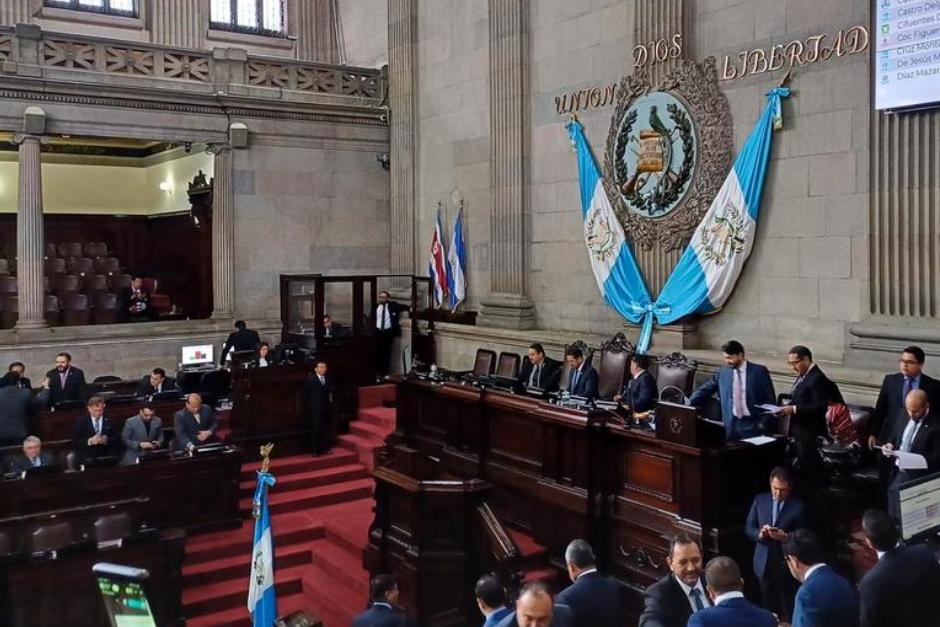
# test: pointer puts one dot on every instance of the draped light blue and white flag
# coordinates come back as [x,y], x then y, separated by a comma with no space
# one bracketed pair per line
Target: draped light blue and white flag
[457,265]
[705,275]
[262,601]
[615,269]
[437,263]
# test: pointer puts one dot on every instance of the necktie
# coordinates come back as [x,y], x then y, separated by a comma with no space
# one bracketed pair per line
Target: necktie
[538,376]
[908,438]
[36,462]
[737,394]
[799,380]
[322,380]
[696,596]
[777,506]
[908,384]
[62,376]
[575,375]
[384,314]
[97,426]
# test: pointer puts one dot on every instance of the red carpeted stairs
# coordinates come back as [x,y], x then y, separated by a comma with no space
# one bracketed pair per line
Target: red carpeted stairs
[321,510]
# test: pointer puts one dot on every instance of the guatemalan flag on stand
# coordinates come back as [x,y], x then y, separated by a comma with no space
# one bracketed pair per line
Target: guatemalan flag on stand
[262,602]
[437,263]
[457,265]
[706,273]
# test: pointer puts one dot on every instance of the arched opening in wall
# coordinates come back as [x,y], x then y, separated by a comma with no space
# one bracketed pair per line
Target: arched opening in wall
[127,230]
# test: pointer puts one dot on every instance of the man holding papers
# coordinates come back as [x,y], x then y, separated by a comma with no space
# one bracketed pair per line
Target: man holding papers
[919,435]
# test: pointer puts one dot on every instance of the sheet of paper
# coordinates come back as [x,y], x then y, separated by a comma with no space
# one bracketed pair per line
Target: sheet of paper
[773,409]
[911,461]
[759,439]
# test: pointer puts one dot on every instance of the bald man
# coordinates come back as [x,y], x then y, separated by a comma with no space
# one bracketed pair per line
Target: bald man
[535,608]
[919,434]
[195,424]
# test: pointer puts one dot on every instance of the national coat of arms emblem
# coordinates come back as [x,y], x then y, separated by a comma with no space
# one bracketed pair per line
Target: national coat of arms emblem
[601,237]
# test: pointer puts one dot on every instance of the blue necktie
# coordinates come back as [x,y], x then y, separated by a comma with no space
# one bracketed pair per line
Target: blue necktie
[777,506]
[908,385]
[98,426]
[574,380]
[697,599]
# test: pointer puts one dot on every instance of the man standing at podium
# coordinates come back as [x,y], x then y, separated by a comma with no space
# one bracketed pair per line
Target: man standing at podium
[741,385]
[540,371]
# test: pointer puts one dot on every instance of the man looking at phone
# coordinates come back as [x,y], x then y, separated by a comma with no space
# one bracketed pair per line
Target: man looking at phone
[773,516]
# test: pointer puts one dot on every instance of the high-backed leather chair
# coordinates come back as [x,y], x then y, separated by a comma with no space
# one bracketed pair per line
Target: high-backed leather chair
[113,527]
[80,265]
[675,370]
[106,308]
[55,265]
[96,283]
[508,365]
[614,365]
[11,308]
[95,249]
[159,302]
[52,536]
[120,281]
[214,385]
[566,369]
[49,250]
[4,266]
[51,310]
[75,310]
[107,265]
[64,284]
[70,249]
[484,364]
[8,285]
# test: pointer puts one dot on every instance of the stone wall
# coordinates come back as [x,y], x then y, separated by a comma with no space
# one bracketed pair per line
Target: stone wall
[807,279]
[363,32]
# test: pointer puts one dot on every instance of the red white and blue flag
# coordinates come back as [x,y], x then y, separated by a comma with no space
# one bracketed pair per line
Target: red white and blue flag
[437,264]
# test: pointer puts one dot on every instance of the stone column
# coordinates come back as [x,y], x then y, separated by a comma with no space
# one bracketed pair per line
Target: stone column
[508,305]
[14,11]
[223,234]
[29,232]
[402,68]
[177,23]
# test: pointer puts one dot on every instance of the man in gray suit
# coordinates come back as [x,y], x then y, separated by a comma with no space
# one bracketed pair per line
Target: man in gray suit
[142,433]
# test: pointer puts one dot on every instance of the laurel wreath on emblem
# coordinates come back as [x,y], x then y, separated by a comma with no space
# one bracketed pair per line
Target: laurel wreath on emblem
[661,203]
[601,239]
[727,234]
[259,567]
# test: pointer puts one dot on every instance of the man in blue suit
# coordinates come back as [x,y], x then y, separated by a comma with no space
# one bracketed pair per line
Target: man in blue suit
[741,386]
[730,609]
[826,599]
[594,600]
[773,516]
[640,393]
[535,608]
[491,599]
[582,380]
[384,610]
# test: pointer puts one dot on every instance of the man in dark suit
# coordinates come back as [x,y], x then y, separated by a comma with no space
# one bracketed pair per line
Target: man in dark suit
[317,403]
[741,386]
[65,382]
[15,376]
[539,371]
[671,601]
[195,424]
[491,599]
[16,406]
[731,609]
[772,517]
[332,328]
[387,328]
[640,393]
[902,588]
[810,397]
[825,598]
[889,410]
[582,378]
[920,434]
[94,435]
[241,339]
[384,610]
[32,457]
[156,383]
[594,600]
[141,434]
[535,608]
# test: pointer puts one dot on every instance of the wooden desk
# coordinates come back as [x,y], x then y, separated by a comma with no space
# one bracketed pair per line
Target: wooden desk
[53,425]
[266,408]
[62,592]
[199,493]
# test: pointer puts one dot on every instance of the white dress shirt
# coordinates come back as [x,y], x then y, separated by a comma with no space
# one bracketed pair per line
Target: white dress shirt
[812,569]
[383,319]
[740,372]
[727,596]
[687,589]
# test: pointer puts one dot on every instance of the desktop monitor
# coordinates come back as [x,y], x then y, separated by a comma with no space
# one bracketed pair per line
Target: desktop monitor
[920,507]
[197,355]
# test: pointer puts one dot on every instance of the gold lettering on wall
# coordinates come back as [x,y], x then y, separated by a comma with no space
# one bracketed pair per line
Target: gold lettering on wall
[584,99]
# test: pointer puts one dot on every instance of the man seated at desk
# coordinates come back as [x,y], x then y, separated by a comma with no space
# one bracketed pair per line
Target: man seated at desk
[65,382]
[15,377]
[142,433]
[741,386]
[582,380]
[332,329]
[195,424]
[640,393]
[539,371]
[32,457]
[156,383]
[94,436]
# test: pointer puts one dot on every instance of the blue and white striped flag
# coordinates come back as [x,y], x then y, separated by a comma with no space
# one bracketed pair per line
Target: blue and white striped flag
[705,275]
[262,600]
[457,265]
